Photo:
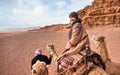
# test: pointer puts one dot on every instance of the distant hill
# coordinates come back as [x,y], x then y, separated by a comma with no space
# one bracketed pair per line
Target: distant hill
[52,28]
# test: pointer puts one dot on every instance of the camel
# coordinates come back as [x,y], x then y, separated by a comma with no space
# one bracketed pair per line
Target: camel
[94,71]
[39,68]
[111,67]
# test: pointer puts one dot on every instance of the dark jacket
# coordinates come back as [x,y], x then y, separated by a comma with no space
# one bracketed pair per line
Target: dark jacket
[41,58]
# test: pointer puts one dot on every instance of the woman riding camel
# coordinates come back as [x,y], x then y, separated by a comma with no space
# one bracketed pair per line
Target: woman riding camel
[77,59]
[78,38]
[78,41]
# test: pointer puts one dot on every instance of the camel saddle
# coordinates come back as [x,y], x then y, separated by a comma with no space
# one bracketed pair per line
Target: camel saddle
[72,60]
[83,61]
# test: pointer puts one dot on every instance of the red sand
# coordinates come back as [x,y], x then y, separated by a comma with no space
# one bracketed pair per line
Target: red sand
[17,49]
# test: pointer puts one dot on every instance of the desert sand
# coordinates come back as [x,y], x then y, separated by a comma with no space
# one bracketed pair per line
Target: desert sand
[17,49]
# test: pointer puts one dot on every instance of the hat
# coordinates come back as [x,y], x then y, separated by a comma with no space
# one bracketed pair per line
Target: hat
[73,14]
[38,51]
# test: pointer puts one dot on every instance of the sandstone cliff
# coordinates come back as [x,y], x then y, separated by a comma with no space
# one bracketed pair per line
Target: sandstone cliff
[101,12]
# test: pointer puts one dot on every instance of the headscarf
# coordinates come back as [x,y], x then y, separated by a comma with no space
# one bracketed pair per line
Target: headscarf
[38,51]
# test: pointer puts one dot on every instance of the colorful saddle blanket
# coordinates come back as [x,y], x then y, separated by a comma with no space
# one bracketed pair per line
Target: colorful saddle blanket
[67,61]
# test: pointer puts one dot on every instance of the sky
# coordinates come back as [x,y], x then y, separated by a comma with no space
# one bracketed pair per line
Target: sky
[37,13]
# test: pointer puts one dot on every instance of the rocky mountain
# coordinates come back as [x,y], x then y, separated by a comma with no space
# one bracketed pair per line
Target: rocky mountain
[101,12]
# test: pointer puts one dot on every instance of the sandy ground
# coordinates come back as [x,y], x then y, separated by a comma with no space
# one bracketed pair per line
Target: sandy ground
[17,49]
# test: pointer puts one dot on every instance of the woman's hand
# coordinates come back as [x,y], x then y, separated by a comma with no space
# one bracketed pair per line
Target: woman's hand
[60,56]
[68,45]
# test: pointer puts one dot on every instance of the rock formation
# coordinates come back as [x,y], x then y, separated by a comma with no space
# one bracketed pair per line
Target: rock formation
[101,12]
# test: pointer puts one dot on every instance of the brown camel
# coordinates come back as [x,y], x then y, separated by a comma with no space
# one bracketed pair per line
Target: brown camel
[111,67]
[94,71]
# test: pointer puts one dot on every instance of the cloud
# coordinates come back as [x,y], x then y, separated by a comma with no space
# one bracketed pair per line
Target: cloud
[40,14]
[24,14]
[30,13]
[79,4]
[60,4]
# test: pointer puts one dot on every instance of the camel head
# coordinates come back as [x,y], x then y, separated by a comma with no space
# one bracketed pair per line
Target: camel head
[98,39]
[51,49]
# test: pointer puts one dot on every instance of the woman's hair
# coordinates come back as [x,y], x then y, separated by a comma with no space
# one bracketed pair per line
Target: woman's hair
[78,20]
[73,14]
